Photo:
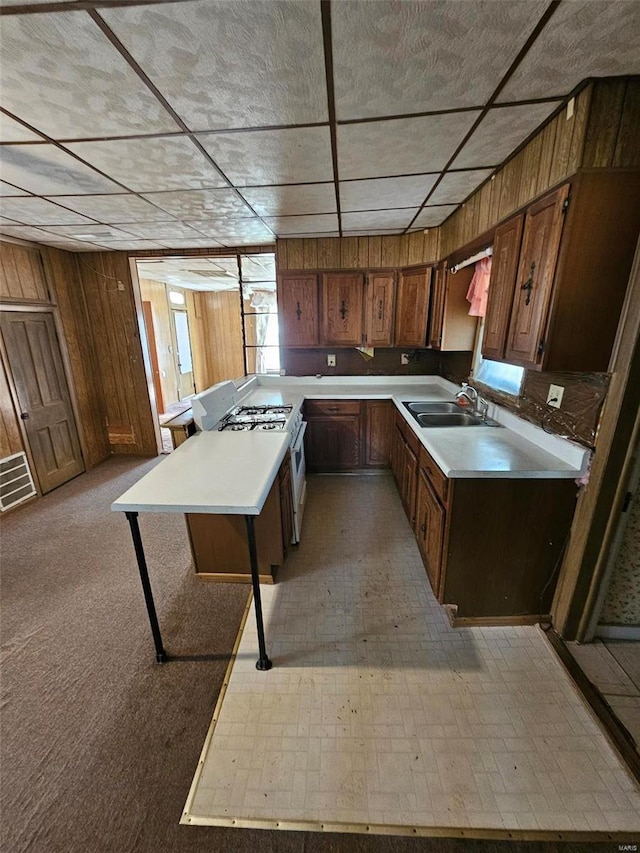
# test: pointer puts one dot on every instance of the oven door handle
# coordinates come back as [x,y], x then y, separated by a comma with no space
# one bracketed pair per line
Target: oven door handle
[299,437]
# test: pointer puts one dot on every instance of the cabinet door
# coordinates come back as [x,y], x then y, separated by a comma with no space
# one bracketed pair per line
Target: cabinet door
[333,443]
[381,289]
[408,477]
[342,307]
[540,244]
[412,307]
[397,447]
[430,517]
[506,250]
[286,503]
[436,315]
[378,432]
[298,310]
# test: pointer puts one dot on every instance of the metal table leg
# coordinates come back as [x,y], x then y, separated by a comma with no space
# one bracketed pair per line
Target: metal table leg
[132,517]
[263,663]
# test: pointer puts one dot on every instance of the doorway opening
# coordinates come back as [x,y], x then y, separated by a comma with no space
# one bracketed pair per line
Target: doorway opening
[207,320]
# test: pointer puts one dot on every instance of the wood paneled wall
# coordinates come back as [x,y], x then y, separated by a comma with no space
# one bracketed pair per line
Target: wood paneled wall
[361,253]
[216,336]
[10,435]
[155,292]
[62,273]
[108,291]
[614,125]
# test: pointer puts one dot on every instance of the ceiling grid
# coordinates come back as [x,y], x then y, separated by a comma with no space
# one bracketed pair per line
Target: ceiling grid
[141,124]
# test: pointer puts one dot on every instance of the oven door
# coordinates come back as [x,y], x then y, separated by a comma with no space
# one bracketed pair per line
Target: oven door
[298,480]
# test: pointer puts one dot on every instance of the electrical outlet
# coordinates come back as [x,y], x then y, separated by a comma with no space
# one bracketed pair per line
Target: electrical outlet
[404,358]
[283,372]
[554,397]
[331,360]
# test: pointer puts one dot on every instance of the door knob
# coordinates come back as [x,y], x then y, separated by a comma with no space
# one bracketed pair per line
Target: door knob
[24,415]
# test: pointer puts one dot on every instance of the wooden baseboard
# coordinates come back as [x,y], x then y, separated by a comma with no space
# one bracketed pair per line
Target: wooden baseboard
[233,578]
[489,621]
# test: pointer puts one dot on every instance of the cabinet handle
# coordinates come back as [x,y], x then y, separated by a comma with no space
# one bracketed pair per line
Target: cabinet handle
[333,409]
[380,306]
[298,311]
[528,285]
[343,309]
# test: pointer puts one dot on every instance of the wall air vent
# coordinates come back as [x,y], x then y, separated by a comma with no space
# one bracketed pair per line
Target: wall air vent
[16,482]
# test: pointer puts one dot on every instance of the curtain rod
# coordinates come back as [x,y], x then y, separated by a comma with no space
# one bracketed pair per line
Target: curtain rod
[486,254]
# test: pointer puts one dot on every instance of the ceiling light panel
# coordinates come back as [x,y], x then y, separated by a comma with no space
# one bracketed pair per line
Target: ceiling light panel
[384,193]
[63,76]
[456,186]
[585,38]
[404,57]
[300,154]
[199,204]
[13,131]
[95,232]
[290,200]
[500,132]
[400,146]
[429,217]
[9,189]
[221,64]
[47,170]
[115,209]
[286,225]
[144,165]
[370,219]
[38,211]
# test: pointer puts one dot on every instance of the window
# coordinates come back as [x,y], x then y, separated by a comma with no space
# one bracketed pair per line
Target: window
[260,313]
[503,377]
[176,298]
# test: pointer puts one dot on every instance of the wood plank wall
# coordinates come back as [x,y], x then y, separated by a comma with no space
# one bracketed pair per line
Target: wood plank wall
[22,277]
[108,290]
[63,275]
[216,336]
[155,292]
[10,436]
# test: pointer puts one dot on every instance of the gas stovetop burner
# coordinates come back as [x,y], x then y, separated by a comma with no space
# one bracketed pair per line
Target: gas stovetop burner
[270,425]
[261,410]
[233,427]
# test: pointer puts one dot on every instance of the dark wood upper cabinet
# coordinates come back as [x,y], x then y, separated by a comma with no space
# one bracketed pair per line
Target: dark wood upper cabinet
[298,309]
[451,328]
[506,252]
[536,271]
[342,309]
[436,314]
[379,305]
[412,307]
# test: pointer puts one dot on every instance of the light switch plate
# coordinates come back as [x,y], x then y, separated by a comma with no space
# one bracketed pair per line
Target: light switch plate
[554,396]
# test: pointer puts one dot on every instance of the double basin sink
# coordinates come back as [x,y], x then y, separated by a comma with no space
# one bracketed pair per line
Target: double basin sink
[446,415]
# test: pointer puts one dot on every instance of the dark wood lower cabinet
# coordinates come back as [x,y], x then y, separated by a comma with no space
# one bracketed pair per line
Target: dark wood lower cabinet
[344,435]
[378,429]
[404,465]
[429,528]
[219,542]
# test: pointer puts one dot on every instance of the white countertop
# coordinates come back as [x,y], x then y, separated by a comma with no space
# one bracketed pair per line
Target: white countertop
[213,472]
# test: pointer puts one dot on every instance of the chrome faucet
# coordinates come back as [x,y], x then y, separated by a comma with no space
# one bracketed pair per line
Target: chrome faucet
[470,394]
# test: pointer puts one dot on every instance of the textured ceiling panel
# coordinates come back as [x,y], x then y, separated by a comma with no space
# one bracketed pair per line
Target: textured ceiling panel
[115,209]
[315,234]
[384,193]
[248,229]
[289,200]
[585,38]
[24,232]
[499,133]
[162,230]
[401,146]
[13,131]
[61,75]
[272,156]
[429,217]
[240,64]
[199,204]
[47,170]
[145,165]
[285,225]
[402,57]
[131,245]
[97,231]
[39,211]
[9,189]
[372,232]
[386,219]
[184,243]
[456,186]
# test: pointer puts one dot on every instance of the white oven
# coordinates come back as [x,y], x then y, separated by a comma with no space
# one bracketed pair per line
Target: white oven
[298,481]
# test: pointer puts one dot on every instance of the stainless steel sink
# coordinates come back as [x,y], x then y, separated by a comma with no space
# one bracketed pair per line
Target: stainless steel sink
[443,414]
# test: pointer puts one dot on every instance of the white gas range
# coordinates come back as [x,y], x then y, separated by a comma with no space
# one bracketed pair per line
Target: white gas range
[226,408]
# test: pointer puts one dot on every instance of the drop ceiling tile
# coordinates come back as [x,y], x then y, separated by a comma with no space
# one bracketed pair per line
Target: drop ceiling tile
[456,186]
[402,57]
[115,209]
[429,217]
[145,165]
[161,230]
[400,146]
[9,189]
[290,200]
[315,234]
[199,204]
[263,61]
[500,132]
[245,240]
[286,225]
[372,219]
[375,232]
[385,193]
[585,38]
[47,170]
[38,235]
[87,232]
[13,131]
[272,156]
[38,211]
[183,243]
[62,75]
[251,229]
[130,245]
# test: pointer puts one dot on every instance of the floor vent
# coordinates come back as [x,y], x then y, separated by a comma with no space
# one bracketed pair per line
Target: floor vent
[16,482]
